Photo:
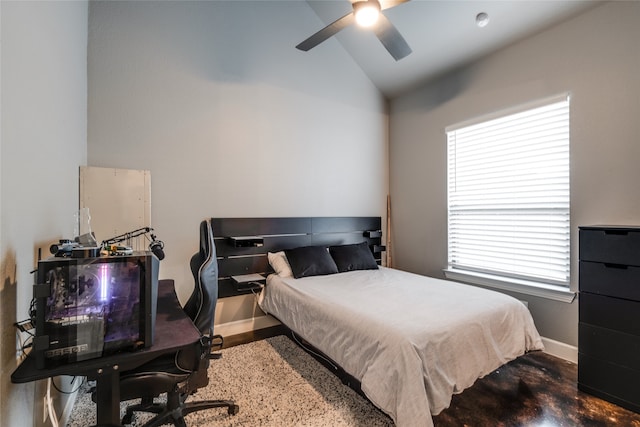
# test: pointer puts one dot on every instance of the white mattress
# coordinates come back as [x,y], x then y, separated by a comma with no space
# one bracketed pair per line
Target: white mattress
[412,341]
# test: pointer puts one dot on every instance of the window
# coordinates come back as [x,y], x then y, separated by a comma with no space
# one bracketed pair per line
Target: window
[508,197]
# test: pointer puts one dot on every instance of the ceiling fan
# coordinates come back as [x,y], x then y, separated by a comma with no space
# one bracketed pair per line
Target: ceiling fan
[369,12]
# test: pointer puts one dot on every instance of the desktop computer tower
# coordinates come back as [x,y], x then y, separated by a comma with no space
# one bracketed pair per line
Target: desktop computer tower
[92,307]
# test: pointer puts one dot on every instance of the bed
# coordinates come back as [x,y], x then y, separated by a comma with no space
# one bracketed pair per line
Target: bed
[411,341]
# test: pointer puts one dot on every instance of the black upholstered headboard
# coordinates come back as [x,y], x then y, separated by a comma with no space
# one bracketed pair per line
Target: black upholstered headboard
[242,243]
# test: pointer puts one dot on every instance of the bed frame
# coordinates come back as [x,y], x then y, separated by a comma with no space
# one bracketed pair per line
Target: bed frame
[242,243]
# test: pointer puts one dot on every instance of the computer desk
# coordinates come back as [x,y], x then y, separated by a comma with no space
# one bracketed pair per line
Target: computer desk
[173,331]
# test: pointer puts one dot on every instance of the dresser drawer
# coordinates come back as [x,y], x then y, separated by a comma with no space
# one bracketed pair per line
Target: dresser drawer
[610,245]
[611,382]
[614,280]
[611,313]
[613,346]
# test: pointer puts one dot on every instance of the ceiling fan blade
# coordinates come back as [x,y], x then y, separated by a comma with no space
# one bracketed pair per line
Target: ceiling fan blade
[391,38]
[327,32]
[388,4]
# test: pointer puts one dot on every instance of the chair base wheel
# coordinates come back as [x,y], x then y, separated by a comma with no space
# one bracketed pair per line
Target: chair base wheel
[233,409]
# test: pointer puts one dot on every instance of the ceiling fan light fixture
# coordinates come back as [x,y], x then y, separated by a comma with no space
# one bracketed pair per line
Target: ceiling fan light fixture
[366,12]
[383,29]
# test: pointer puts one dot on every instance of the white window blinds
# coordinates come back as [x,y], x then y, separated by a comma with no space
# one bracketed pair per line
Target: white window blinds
[508,195]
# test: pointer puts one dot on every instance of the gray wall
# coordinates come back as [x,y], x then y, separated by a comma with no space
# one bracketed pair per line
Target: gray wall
[594,57]
[42,145]
[231,119]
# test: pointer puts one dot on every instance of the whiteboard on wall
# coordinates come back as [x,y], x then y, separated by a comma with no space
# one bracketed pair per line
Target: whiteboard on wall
[119,200]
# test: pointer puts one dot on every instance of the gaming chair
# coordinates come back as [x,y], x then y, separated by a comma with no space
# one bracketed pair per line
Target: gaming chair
[181,374]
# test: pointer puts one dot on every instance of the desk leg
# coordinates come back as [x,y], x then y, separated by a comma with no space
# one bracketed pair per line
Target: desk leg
[108,399]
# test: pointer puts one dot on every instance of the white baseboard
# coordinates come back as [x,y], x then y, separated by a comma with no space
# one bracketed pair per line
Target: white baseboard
[245,325]
[560,349]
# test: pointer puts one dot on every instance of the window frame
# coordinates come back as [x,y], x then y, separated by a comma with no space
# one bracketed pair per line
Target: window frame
[502,281]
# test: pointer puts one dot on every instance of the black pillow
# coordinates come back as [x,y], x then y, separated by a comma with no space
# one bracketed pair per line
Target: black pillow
[353,257]
[308,261]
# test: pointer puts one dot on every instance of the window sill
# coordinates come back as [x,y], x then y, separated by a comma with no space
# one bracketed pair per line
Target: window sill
[553,292]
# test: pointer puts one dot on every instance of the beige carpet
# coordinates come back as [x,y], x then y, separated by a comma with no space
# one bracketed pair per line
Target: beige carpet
[276,384]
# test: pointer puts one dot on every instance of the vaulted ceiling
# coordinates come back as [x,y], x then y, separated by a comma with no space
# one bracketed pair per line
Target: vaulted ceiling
[443,34]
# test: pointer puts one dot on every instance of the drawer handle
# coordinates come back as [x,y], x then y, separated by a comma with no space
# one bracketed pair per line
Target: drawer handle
[616,232]
[618,266]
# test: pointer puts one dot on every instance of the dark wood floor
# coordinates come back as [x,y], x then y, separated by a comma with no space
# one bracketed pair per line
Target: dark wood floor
[535,390]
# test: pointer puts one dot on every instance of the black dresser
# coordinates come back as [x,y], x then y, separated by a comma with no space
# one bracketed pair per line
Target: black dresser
[609,329]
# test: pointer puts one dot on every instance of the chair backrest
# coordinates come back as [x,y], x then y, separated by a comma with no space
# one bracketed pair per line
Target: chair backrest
[204,265]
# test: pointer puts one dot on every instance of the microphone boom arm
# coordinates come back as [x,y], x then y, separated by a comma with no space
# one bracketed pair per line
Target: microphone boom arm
[156,246]
[126,236]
